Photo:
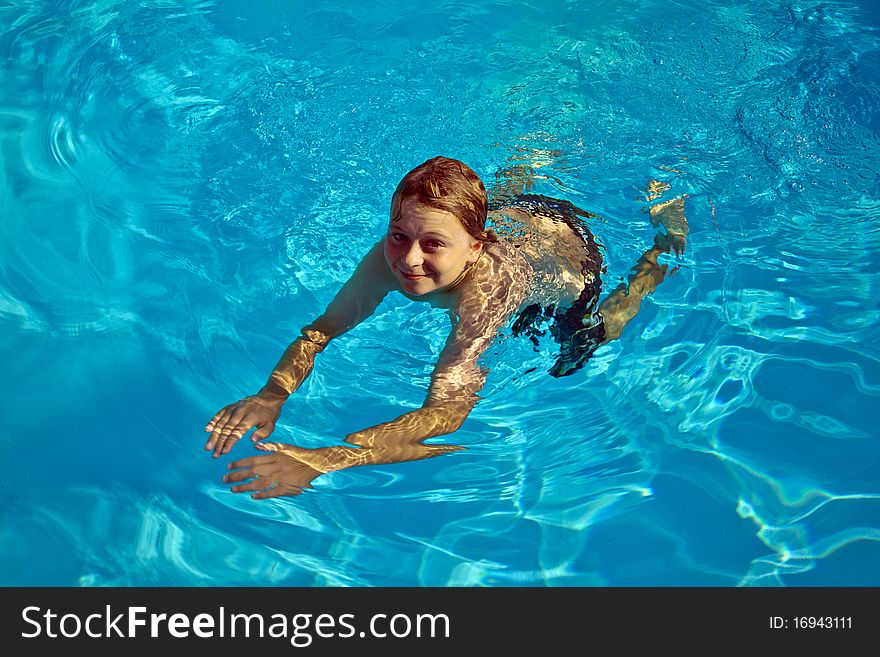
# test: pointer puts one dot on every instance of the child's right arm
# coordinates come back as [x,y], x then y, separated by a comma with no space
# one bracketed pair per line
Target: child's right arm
[357,300]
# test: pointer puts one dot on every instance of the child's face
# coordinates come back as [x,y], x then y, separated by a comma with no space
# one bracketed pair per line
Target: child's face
[427,248]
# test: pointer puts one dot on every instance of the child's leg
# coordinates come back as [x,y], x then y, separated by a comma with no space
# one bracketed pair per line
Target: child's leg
[621,306]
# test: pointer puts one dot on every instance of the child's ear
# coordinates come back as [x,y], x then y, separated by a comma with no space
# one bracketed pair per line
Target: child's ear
[476,250]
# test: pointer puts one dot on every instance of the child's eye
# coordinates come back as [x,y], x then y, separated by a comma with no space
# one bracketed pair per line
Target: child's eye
[434,245]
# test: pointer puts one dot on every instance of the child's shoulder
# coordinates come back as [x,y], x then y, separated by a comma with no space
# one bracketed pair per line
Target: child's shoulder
[501,278]
[373,271]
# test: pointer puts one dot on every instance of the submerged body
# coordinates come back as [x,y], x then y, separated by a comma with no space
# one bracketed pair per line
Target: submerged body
[565,266]
[543,266]
[539,263]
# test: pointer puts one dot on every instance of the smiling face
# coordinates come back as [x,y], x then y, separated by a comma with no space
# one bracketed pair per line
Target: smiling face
[427,248]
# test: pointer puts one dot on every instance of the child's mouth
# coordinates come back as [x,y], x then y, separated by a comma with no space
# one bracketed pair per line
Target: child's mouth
[411,277]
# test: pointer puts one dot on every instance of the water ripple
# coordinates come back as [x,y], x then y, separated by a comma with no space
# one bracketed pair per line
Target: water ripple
[182,187]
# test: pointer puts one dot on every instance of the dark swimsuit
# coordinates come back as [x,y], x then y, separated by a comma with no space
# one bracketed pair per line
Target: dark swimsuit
[580,329]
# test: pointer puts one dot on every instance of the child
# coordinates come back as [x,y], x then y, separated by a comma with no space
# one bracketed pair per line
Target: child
[541,263]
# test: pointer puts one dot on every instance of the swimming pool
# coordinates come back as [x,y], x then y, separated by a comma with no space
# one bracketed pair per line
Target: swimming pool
[184,185]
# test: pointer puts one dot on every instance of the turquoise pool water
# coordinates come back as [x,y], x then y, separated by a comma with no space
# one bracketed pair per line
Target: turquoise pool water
[185,184]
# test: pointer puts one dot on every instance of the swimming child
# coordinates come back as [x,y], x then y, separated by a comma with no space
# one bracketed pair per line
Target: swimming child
[539,262]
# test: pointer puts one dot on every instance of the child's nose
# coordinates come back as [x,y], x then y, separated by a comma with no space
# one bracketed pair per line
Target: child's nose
[414,256]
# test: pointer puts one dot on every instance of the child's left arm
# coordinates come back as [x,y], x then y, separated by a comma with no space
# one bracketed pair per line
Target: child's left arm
[455,382]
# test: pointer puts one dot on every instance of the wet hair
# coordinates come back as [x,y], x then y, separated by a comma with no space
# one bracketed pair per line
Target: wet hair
[449,185]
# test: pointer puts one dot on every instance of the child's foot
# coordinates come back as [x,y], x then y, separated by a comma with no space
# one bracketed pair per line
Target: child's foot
[670,214]
[655,189]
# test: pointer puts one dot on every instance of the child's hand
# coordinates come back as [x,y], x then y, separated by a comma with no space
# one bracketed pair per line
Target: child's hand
[235,420]
[276,474]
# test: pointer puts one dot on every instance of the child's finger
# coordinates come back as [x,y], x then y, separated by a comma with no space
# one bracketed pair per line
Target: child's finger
[268,447]
[256,484]
[213,420]
[277,491]
[238,475]
[235,433]
[212,439]
[249,462]
[226,442]
[268,493]
[227,447]
[263,432]
[238,416]
[218,428]
[229,433]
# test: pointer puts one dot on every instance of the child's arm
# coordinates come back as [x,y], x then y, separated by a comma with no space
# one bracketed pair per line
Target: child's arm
[452,394]
[356,301]
[455,382]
